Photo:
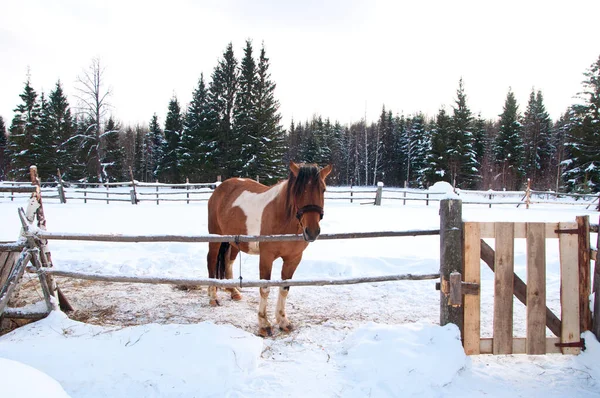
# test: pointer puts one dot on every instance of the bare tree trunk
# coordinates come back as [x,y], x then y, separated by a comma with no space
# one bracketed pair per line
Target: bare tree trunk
[94,105]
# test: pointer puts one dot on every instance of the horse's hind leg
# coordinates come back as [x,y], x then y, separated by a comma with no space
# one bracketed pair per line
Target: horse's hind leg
[211,262]
[233,252]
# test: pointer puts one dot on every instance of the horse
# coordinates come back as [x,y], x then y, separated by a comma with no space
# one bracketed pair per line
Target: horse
[241,206]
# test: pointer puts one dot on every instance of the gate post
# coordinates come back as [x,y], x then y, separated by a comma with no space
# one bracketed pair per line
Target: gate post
[451,258]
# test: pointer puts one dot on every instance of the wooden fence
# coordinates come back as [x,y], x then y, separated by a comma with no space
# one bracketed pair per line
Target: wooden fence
[135,192]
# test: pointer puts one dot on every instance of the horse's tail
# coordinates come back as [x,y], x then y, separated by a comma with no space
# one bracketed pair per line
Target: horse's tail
[221,260]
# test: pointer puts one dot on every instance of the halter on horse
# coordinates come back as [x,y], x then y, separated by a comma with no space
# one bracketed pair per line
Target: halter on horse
[241,206]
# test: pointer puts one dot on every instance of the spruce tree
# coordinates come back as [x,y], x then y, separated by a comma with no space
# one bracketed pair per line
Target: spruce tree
[153,148]
[508,146]
[338,154]
[139,153]
[462,163]
[23,129]
[245,125]
[168,170]
[537,134]
[61,128]
[436,167]
[271,145]
[221,100]
[4,164]
[401,133]
[416,146]
[43,147]
[582,173]
[113,160]
[388,140]
[199,139]
[561,160]
[480,143]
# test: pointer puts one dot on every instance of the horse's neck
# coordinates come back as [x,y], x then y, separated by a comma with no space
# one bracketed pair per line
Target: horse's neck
[281,220]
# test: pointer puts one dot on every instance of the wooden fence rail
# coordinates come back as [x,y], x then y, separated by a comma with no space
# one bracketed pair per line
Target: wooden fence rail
[224,238]
[228,283]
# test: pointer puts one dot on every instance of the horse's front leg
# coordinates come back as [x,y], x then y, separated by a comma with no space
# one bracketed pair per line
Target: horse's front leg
[287,271]
[264,326]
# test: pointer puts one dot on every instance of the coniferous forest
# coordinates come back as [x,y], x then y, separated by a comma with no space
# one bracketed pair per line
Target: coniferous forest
[232,127]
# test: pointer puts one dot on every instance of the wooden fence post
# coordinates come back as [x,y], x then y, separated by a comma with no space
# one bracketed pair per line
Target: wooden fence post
[451,258]
[379,193]
[583,241]
[187,188]
[596,315]
[61,189]
[133,193]
[528,194]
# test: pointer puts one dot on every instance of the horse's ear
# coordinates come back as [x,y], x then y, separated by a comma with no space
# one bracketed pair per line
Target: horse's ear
[325,171]
[294,168]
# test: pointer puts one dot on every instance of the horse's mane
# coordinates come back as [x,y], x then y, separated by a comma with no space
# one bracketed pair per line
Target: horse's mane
[296,186]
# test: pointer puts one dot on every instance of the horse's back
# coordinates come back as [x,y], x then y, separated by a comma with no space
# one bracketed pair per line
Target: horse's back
[222,212]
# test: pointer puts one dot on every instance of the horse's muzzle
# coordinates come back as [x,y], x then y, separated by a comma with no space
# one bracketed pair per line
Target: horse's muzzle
[311,236]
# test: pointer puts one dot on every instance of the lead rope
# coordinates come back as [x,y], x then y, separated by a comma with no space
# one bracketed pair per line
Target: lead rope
[237,243]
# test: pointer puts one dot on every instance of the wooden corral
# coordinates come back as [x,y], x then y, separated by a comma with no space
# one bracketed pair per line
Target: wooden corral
[462,248]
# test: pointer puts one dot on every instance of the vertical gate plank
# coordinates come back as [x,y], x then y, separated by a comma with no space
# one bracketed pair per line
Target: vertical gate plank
[585,284]
[569,287]
[472,302]
[503,288]
[536,289]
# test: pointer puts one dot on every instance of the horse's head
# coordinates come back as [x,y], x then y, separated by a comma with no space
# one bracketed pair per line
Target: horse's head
[306,189]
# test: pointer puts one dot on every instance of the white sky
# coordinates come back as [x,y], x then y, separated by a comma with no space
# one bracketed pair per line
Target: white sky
[333,58]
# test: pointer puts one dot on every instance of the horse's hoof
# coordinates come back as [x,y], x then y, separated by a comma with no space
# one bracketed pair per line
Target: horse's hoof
[265,332]
[214,303]
[236,297]
[286,328]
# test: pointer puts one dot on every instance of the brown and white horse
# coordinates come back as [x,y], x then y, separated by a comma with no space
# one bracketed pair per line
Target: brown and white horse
[242,206]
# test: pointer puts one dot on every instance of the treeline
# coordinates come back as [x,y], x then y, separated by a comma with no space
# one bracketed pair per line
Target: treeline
[232,128]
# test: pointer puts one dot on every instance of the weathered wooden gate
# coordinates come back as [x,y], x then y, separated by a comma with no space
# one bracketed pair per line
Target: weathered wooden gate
[461,299]
[574,247]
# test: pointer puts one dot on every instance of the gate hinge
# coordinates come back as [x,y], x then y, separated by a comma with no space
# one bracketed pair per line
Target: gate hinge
[577,344]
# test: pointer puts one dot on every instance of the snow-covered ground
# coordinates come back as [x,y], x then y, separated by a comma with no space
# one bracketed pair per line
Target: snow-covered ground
[352,341]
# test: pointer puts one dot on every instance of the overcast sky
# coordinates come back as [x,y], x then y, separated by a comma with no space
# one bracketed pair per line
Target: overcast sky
[338,59]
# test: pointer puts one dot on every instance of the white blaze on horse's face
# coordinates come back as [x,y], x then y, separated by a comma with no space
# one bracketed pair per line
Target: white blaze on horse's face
[253,205]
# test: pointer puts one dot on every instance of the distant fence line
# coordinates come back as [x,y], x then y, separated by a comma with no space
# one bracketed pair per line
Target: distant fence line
[136,192]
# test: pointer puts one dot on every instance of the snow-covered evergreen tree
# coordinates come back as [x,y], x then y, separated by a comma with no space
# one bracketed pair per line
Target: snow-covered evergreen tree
[153,146]
[61,127]
[462,162]
[113,159]
[271,144]
[168,169]
[508,146]
[221,101]
[23,130]
[582,173]
[436,165]
[416,147]
[3,150]
[245,126]
[43,148]
[537,128]
[198,140]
